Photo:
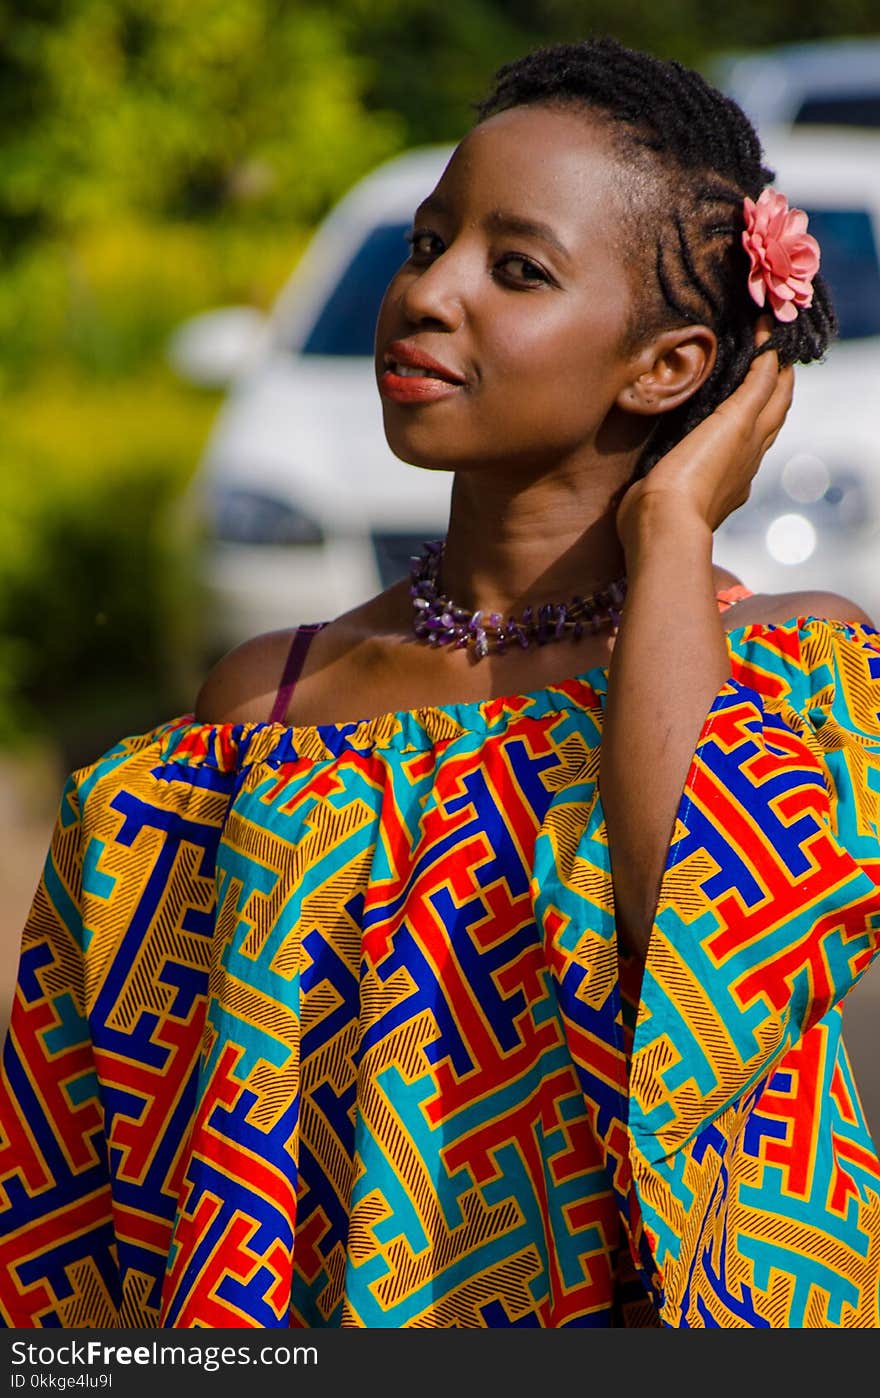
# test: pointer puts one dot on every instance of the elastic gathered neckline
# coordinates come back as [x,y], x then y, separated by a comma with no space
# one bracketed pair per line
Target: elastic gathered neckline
[229,745]
[405,730]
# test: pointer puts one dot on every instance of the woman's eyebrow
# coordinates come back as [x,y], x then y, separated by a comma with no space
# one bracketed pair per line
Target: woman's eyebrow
[515,223]
[504,220]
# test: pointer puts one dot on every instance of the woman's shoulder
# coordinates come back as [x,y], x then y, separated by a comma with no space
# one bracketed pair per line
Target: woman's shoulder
[748,608]
[242,685]
[774,608]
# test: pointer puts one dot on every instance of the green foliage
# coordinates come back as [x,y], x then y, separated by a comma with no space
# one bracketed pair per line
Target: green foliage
[102,302]
[182,109]
[96,581]
[98,599]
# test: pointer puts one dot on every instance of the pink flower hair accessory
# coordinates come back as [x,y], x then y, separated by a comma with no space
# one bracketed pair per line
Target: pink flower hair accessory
[784,257]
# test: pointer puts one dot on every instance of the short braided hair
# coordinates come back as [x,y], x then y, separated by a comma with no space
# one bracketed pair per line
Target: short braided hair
[702,157]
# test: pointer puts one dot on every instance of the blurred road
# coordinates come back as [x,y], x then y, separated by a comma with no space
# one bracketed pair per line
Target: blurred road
[27,799]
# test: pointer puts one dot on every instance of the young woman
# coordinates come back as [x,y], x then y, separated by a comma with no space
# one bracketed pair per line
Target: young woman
[476,959]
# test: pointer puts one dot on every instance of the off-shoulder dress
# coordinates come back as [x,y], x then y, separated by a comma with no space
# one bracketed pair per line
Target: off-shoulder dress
[329,1026]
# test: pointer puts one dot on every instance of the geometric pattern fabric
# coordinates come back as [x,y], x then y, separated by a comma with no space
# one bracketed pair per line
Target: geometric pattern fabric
[329,1026]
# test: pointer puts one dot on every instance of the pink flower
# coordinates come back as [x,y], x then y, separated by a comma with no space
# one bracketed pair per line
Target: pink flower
[784,258]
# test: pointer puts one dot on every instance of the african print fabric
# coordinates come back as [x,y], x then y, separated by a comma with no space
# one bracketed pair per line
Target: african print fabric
[328,1026]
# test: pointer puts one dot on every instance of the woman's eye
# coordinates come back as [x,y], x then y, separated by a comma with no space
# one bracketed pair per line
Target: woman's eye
[514,268]
[423,243]
[521,269]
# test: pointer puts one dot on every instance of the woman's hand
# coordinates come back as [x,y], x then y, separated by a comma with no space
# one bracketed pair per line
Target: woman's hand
[709,473]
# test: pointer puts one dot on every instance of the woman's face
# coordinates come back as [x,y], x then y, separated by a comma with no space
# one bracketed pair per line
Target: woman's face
[517,288]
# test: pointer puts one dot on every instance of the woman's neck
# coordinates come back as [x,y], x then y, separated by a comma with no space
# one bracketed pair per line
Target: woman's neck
[508,547]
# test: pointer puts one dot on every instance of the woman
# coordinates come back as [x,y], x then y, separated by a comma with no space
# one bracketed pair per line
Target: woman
[329,993]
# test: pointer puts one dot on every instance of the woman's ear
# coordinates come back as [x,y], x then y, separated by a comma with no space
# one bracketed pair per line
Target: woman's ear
[669,370]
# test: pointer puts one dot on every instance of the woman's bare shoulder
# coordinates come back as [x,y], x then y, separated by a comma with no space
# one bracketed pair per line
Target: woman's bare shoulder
[241,687]
[775,607]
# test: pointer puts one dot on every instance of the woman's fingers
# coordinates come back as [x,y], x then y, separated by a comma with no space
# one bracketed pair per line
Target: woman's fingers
[756,390]
[756,413]
[763,329]
[773,414]
[760,404]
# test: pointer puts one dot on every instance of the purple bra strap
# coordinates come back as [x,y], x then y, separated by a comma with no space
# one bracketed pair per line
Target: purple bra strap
[302,639]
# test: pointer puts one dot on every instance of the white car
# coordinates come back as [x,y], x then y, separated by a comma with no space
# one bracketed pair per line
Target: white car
[308,512]
[819,82]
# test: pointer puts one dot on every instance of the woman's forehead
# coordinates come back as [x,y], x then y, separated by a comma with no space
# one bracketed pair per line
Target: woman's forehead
[541,163]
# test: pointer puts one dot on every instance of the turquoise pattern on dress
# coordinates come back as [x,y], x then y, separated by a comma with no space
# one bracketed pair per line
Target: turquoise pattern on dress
[333,1025]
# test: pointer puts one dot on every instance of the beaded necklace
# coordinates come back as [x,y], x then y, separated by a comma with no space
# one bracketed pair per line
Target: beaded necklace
[439,621]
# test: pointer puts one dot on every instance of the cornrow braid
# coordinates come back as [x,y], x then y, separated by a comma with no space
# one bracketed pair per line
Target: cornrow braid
[703,157]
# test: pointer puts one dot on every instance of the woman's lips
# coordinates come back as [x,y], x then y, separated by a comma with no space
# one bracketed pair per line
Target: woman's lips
[411,375]
[415,388]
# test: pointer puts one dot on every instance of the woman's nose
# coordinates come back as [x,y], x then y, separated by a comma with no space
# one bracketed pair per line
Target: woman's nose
[437,293]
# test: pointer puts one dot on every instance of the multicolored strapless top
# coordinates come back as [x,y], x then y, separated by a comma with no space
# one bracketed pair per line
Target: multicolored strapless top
[329,1026]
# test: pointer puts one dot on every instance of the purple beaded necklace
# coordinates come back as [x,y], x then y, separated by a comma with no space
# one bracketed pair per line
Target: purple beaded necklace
[440,622]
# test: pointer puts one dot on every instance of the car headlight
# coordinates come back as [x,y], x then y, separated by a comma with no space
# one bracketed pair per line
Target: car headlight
[239,516]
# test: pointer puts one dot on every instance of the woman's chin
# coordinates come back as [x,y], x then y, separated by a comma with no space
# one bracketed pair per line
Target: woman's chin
[412,454]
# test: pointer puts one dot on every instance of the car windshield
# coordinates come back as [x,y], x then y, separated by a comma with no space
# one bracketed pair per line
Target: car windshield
[850,265]
[851,268]
[347,321]
[840,109]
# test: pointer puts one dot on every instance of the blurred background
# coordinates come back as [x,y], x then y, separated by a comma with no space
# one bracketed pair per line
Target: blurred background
[201,202]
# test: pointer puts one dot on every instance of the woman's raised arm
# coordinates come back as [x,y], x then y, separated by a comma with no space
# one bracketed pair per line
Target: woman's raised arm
[670,657]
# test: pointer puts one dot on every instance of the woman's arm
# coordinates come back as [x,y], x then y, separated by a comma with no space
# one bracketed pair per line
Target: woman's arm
[670,658]
[668,664]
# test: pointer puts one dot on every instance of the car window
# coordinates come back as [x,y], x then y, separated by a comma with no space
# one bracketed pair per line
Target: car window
[840,109]
[347,321]
[851,268]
